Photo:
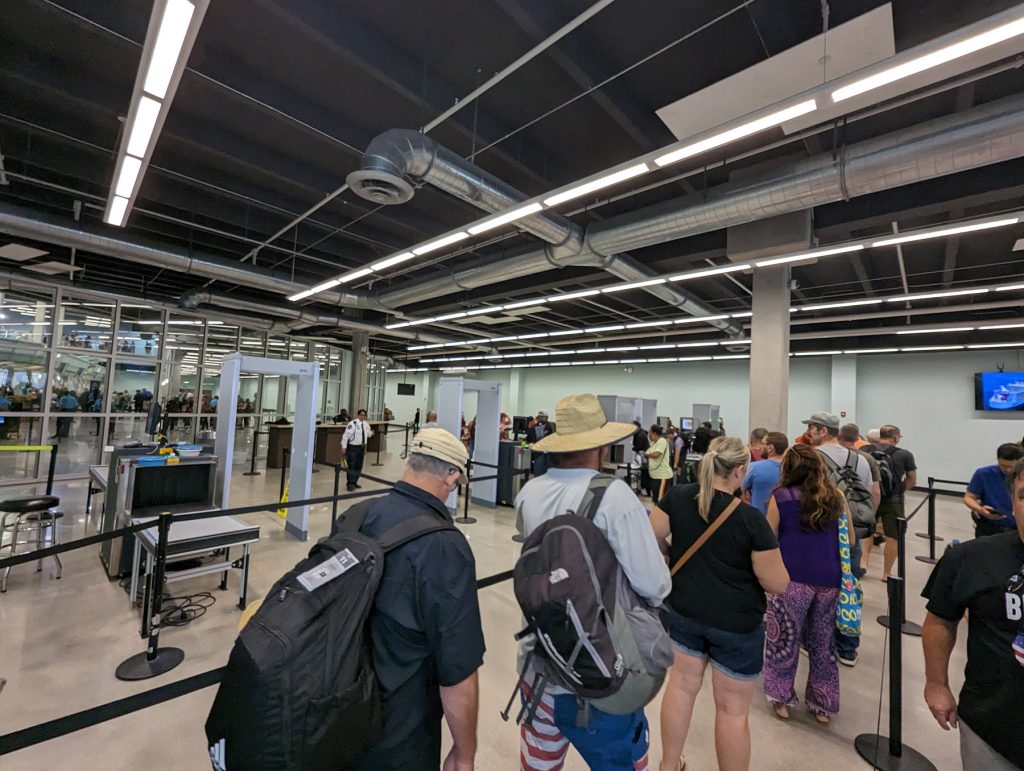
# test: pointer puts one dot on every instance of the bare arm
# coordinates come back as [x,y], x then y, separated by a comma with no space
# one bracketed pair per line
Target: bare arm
[461,703]
[662,529]
[771,571]
[911,481]
[939,637]
[772,515]
[876,495]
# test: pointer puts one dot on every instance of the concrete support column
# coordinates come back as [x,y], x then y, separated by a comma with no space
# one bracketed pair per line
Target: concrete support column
[513,402]
[769,349]
[844,388]
[360,371]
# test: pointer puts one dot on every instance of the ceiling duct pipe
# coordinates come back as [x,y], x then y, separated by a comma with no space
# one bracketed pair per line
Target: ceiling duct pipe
[981,136]
[397,158]
[26,223]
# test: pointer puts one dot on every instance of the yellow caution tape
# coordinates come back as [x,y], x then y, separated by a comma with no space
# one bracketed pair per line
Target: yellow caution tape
[26,447]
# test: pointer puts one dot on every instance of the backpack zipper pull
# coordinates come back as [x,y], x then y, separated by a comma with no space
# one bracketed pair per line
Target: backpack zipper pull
[281,594]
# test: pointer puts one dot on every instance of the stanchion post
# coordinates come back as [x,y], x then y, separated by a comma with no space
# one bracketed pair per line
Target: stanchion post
[286,457]
[154,660]
[53,468]
[465,519]
[930,535]
[337,487]
[891,754]
[906,627]
[252,472]
[380,441]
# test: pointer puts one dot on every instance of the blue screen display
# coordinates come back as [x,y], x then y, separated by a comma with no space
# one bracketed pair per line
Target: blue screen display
[999,391]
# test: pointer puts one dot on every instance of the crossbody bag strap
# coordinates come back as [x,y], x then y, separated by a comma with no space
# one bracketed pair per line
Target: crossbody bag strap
[706,535]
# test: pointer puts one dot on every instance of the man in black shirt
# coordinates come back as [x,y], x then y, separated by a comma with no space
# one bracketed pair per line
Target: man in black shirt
[425,628]
[543,427]
[985,578]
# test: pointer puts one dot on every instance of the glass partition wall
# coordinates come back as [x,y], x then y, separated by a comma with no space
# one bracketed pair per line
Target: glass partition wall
[82,370]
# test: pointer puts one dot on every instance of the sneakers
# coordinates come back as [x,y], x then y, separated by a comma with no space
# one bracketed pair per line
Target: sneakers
[850,661]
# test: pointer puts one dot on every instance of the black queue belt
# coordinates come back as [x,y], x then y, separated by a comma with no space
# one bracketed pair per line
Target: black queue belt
[907,627]
[932,492]
[87,718]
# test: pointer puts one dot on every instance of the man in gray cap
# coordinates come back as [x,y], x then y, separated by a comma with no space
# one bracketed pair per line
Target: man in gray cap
[425,629]
[823,431]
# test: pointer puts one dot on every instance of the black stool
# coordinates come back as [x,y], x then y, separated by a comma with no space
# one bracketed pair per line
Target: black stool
[31,518]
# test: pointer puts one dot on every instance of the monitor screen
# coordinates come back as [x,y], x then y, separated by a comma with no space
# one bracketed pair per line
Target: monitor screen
[406,389]
[520,424]
[1002,391]
[686,424]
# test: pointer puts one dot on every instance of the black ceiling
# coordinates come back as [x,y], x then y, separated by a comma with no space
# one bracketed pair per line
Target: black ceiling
[282,96]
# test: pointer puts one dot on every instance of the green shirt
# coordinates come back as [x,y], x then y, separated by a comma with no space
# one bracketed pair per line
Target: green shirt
[661,467]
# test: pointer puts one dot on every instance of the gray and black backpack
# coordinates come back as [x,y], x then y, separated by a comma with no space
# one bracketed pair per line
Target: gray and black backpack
[593,635]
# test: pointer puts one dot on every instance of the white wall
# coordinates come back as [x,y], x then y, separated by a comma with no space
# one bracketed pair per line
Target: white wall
[930,396]
[404,407]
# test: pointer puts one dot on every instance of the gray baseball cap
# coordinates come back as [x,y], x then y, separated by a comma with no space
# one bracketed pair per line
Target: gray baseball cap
[826,419]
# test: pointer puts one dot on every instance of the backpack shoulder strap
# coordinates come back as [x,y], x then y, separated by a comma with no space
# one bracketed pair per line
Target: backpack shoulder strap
[832,465]
[351,521]
[706,535]
[594,495]
[410,529]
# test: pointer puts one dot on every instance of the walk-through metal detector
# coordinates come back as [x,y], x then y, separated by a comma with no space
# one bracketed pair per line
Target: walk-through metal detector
[451,391]
[306,374]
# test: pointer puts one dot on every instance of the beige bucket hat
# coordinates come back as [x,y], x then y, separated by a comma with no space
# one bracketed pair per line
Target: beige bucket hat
[442,444]
[582,425]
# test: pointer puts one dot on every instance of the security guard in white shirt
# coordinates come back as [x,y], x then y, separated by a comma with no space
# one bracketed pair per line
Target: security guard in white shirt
[353,444]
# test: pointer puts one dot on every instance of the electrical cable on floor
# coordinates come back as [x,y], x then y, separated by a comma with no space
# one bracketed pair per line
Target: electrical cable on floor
[179,611]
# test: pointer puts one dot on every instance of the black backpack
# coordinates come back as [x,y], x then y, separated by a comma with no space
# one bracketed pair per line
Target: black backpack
[845,477]
[889,481]
[594,636]
[300,691]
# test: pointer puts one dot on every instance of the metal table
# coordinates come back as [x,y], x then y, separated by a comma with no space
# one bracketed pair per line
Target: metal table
[192,539]
[98,476]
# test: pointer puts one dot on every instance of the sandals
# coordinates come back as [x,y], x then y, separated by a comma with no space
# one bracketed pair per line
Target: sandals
[822,719]
[781,711]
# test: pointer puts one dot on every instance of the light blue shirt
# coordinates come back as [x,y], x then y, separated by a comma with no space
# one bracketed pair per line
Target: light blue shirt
[761,479]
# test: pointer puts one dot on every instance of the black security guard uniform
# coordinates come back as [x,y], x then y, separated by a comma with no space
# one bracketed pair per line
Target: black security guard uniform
[425,631]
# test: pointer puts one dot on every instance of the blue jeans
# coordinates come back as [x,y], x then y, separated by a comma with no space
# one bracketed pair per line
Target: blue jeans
[846,646]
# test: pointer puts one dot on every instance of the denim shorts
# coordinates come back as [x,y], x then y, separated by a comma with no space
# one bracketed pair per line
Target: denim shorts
[738,655]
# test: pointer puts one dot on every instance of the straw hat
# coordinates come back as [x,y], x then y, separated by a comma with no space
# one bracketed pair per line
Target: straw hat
[441,444]
[582,426]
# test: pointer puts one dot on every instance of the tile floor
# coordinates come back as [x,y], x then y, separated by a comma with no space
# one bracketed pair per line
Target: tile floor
[60,642]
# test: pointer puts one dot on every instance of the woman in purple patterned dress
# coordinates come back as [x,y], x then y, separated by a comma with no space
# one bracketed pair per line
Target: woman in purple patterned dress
[804,512]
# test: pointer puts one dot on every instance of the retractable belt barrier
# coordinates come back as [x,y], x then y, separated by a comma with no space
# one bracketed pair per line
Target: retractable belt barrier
[53,729]
[930,535]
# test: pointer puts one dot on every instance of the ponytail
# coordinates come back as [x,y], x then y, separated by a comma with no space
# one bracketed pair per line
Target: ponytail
[724,455]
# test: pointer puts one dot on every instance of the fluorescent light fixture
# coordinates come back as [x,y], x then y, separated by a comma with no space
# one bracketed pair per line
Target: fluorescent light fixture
[1011,288]
[609,328]
[646,324]
[532,336]
[743,130]
[872,350]
[710,272]
[933,348]
[636,285]
[572,295]
[934,295]
[933,331]
[996,345]
[734,342]
[929,60]
[354,275]
[449,316]
[830,306]
[440,243]
[325,285]
[699,344]
[694,358]
[818,353]
[657,347]
[417,322]
[482,311]
[809,255]
[521,304]
[735,356]
[504,219]
[621,348]
[947,232]
[597,184]
[743,315]
[399,325]
[564,332]
[629,361]
[169,41]
[142,129]
[118,210]
[390,262]
[501,339]
[698,319]
[1002,326]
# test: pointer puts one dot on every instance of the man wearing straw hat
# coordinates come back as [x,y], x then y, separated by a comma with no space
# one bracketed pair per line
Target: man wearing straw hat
[577,449]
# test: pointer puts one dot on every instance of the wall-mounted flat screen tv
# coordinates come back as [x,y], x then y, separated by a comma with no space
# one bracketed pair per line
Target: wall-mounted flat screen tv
[999,391]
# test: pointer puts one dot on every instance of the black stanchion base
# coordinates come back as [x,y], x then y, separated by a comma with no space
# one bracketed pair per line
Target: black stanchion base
[909,627]
[929,560]
[875,750]
[519,538]
[139,667]
[465,520]
[251,473]
[926,536]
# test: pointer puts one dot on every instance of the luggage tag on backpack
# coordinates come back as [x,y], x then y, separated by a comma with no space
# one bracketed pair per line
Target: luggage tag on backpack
[328,570]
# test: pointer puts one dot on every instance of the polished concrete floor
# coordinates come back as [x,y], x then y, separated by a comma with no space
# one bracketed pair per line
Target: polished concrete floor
[60,642]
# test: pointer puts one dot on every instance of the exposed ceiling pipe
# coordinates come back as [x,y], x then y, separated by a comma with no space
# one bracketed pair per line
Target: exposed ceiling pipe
[398,158]
[39,226]
[300,318]
[981,136]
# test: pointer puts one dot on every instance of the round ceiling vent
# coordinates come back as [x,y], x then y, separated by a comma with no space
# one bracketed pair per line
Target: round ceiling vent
[379,186]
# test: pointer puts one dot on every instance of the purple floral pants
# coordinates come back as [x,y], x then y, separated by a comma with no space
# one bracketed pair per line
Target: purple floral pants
[807,613]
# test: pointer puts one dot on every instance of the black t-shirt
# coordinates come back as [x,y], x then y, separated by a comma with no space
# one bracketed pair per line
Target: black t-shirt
[718,585]
[425,631]
[902,462]
[973,577]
